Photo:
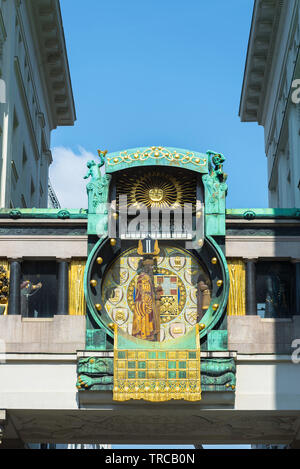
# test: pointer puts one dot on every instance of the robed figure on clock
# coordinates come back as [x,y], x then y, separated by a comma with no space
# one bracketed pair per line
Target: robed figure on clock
[146,321]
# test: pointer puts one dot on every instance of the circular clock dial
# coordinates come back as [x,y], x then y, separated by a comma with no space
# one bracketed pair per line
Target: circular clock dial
[156,300]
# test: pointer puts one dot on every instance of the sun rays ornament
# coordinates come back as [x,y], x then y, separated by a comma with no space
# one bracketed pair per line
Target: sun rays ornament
[157,190]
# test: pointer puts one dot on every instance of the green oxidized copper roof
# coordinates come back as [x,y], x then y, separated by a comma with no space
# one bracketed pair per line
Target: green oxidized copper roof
[246,213]
[252,213]
[156,156]
[62,214]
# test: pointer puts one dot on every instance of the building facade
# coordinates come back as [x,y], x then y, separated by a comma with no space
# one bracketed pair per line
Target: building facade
[158,328]
[36,97]
[270,94]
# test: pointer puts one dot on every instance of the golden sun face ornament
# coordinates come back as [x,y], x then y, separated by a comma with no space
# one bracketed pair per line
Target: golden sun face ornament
[156,195]
[157,190]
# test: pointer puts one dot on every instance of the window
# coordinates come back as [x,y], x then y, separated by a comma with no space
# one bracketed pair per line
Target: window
[39,289]
[24,159]
[15,176]
[23,201]
[32,188]
[274,289]
[15,122]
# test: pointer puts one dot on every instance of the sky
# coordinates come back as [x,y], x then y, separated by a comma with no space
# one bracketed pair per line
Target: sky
[164,73]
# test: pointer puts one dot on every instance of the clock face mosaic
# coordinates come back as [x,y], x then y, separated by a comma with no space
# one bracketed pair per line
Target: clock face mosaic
[156,299]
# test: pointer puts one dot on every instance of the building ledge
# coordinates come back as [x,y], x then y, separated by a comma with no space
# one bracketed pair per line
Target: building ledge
[46,22]
[263,34]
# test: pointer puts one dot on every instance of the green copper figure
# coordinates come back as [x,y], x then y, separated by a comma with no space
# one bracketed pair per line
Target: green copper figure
[95,373]
[98,186]
[218,159]
[215,194]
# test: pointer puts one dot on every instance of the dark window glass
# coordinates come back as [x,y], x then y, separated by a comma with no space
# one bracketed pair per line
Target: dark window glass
[39,289]
[274,289]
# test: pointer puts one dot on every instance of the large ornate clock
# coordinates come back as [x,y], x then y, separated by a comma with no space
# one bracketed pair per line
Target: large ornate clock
[156,285]
[188,288]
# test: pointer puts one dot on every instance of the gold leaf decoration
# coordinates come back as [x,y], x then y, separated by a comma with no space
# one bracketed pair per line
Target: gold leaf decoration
[157,189]
[237,297]
[77,306]
[4,285]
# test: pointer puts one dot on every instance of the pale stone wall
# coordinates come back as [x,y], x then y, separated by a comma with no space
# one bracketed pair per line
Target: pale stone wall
[55,247]
[265,247]
[66,334]
[254,335]
[60,334]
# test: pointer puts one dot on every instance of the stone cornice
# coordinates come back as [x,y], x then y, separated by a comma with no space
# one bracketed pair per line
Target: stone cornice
[46,22]
[263,35]
[263,247]
[44,247]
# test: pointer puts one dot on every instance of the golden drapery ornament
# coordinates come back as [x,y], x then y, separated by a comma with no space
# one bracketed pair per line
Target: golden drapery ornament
[156,374]
[237,291]
[5,264]
[77,305]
